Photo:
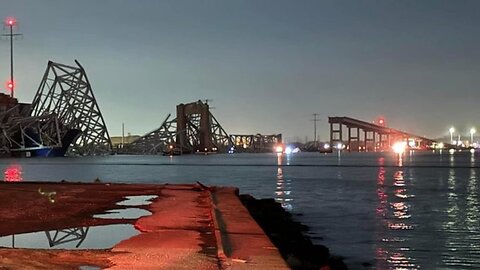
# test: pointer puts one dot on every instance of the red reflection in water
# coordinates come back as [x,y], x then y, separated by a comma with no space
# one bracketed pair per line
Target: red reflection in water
[13,173]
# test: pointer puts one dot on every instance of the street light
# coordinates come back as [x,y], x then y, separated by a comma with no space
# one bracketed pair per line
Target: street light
[451,130]
[472,131]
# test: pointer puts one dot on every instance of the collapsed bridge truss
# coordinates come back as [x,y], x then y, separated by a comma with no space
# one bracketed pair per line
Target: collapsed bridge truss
[64,116]
[66,93]
[195,129]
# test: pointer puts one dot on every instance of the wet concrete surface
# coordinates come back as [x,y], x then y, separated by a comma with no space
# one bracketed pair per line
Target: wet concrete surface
[190,227]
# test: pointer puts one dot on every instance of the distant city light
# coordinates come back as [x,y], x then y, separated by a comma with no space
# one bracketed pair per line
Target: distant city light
[451,151]
[339,146]
[326,146]
[279,149]
[472,150]
[288,150]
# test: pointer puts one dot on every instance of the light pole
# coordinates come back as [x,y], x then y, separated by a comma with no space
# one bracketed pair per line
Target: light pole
[472,131]
[10,22]
[315,120]
[451,130]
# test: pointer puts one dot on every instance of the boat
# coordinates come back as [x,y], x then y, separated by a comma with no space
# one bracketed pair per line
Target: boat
[32,149]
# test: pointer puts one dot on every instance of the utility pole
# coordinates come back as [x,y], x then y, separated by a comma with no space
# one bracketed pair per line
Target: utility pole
[123,134]
[315,120]
[10,22]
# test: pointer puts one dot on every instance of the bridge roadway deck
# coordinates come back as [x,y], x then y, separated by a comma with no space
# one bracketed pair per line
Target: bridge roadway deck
[355,123]
[191,227]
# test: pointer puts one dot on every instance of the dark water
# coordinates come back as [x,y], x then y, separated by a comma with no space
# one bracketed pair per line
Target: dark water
[421,211]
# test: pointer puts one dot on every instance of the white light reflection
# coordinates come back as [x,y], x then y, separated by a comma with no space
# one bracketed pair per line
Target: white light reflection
[283,191]
[392,249]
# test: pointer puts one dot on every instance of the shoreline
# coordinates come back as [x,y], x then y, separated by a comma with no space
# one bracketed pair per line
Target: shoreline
[289,236]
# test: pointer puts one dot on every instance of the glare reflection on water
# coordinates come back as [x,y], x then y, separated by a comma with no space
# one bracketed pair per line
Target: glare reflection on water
[394,213]
[283,191]
[462,249]
[13,173]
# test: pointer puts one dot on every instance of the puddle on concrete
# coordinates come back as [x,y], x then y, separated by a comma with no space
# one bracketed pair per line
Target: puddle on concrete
[89,267]
[137,200]
[129,213]
[95,237]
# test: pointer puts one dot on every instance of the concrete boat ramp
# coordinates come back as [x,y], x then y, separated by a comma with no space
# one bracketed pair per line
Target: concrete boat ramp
[129,226]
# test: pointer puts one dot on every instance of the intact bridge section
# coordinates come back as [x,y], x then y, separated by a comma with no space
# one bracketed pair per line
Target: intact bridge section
[359,136]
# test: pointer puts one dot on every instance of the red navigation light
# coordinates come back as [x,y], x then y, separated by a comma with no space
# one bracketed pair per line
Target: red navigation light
[380,121]
[10,85]
[10,21]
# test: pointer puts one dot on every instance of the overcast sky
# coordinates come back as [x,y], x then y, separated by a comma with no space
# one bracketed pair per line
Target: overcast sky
[267,65]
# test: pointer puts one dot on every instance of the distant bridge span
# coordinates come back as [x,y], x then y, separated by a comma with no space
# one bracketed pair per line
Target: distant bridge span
[365,136]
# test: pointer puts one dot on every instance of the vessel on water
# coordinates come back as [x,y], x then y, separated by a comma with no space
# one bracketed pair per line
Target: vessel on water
[32,149]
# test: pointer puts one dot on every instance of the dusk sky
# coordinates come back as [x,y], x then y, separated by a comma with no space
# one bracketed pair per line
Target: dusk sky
[267,65]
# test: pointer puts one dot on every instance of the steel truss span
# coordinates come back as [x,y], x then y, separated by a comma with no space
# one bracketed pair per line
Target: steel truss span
[66,92]
[156,141]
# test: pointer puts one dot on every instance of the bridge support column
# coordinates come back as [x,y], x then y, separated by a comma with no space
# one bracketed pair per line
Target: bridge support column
[353,139]
[349,140]
[335,134]
[365,140]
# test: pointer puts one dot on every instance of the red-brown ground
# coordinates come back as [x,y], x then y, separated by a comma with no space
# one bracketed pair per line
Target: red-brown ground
[191,227]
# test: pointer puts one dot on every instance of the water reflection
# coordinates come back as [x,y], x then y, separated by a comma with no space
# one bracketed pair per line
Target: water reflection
[393,211]
[283,190]
[99,237]
[461,226]
[13,173]
[60,237]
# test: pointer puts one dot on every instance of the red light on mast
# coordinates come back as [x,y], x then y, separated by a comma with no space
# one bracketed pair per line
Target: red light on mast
[10,21]
[10,85]
[380,121]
